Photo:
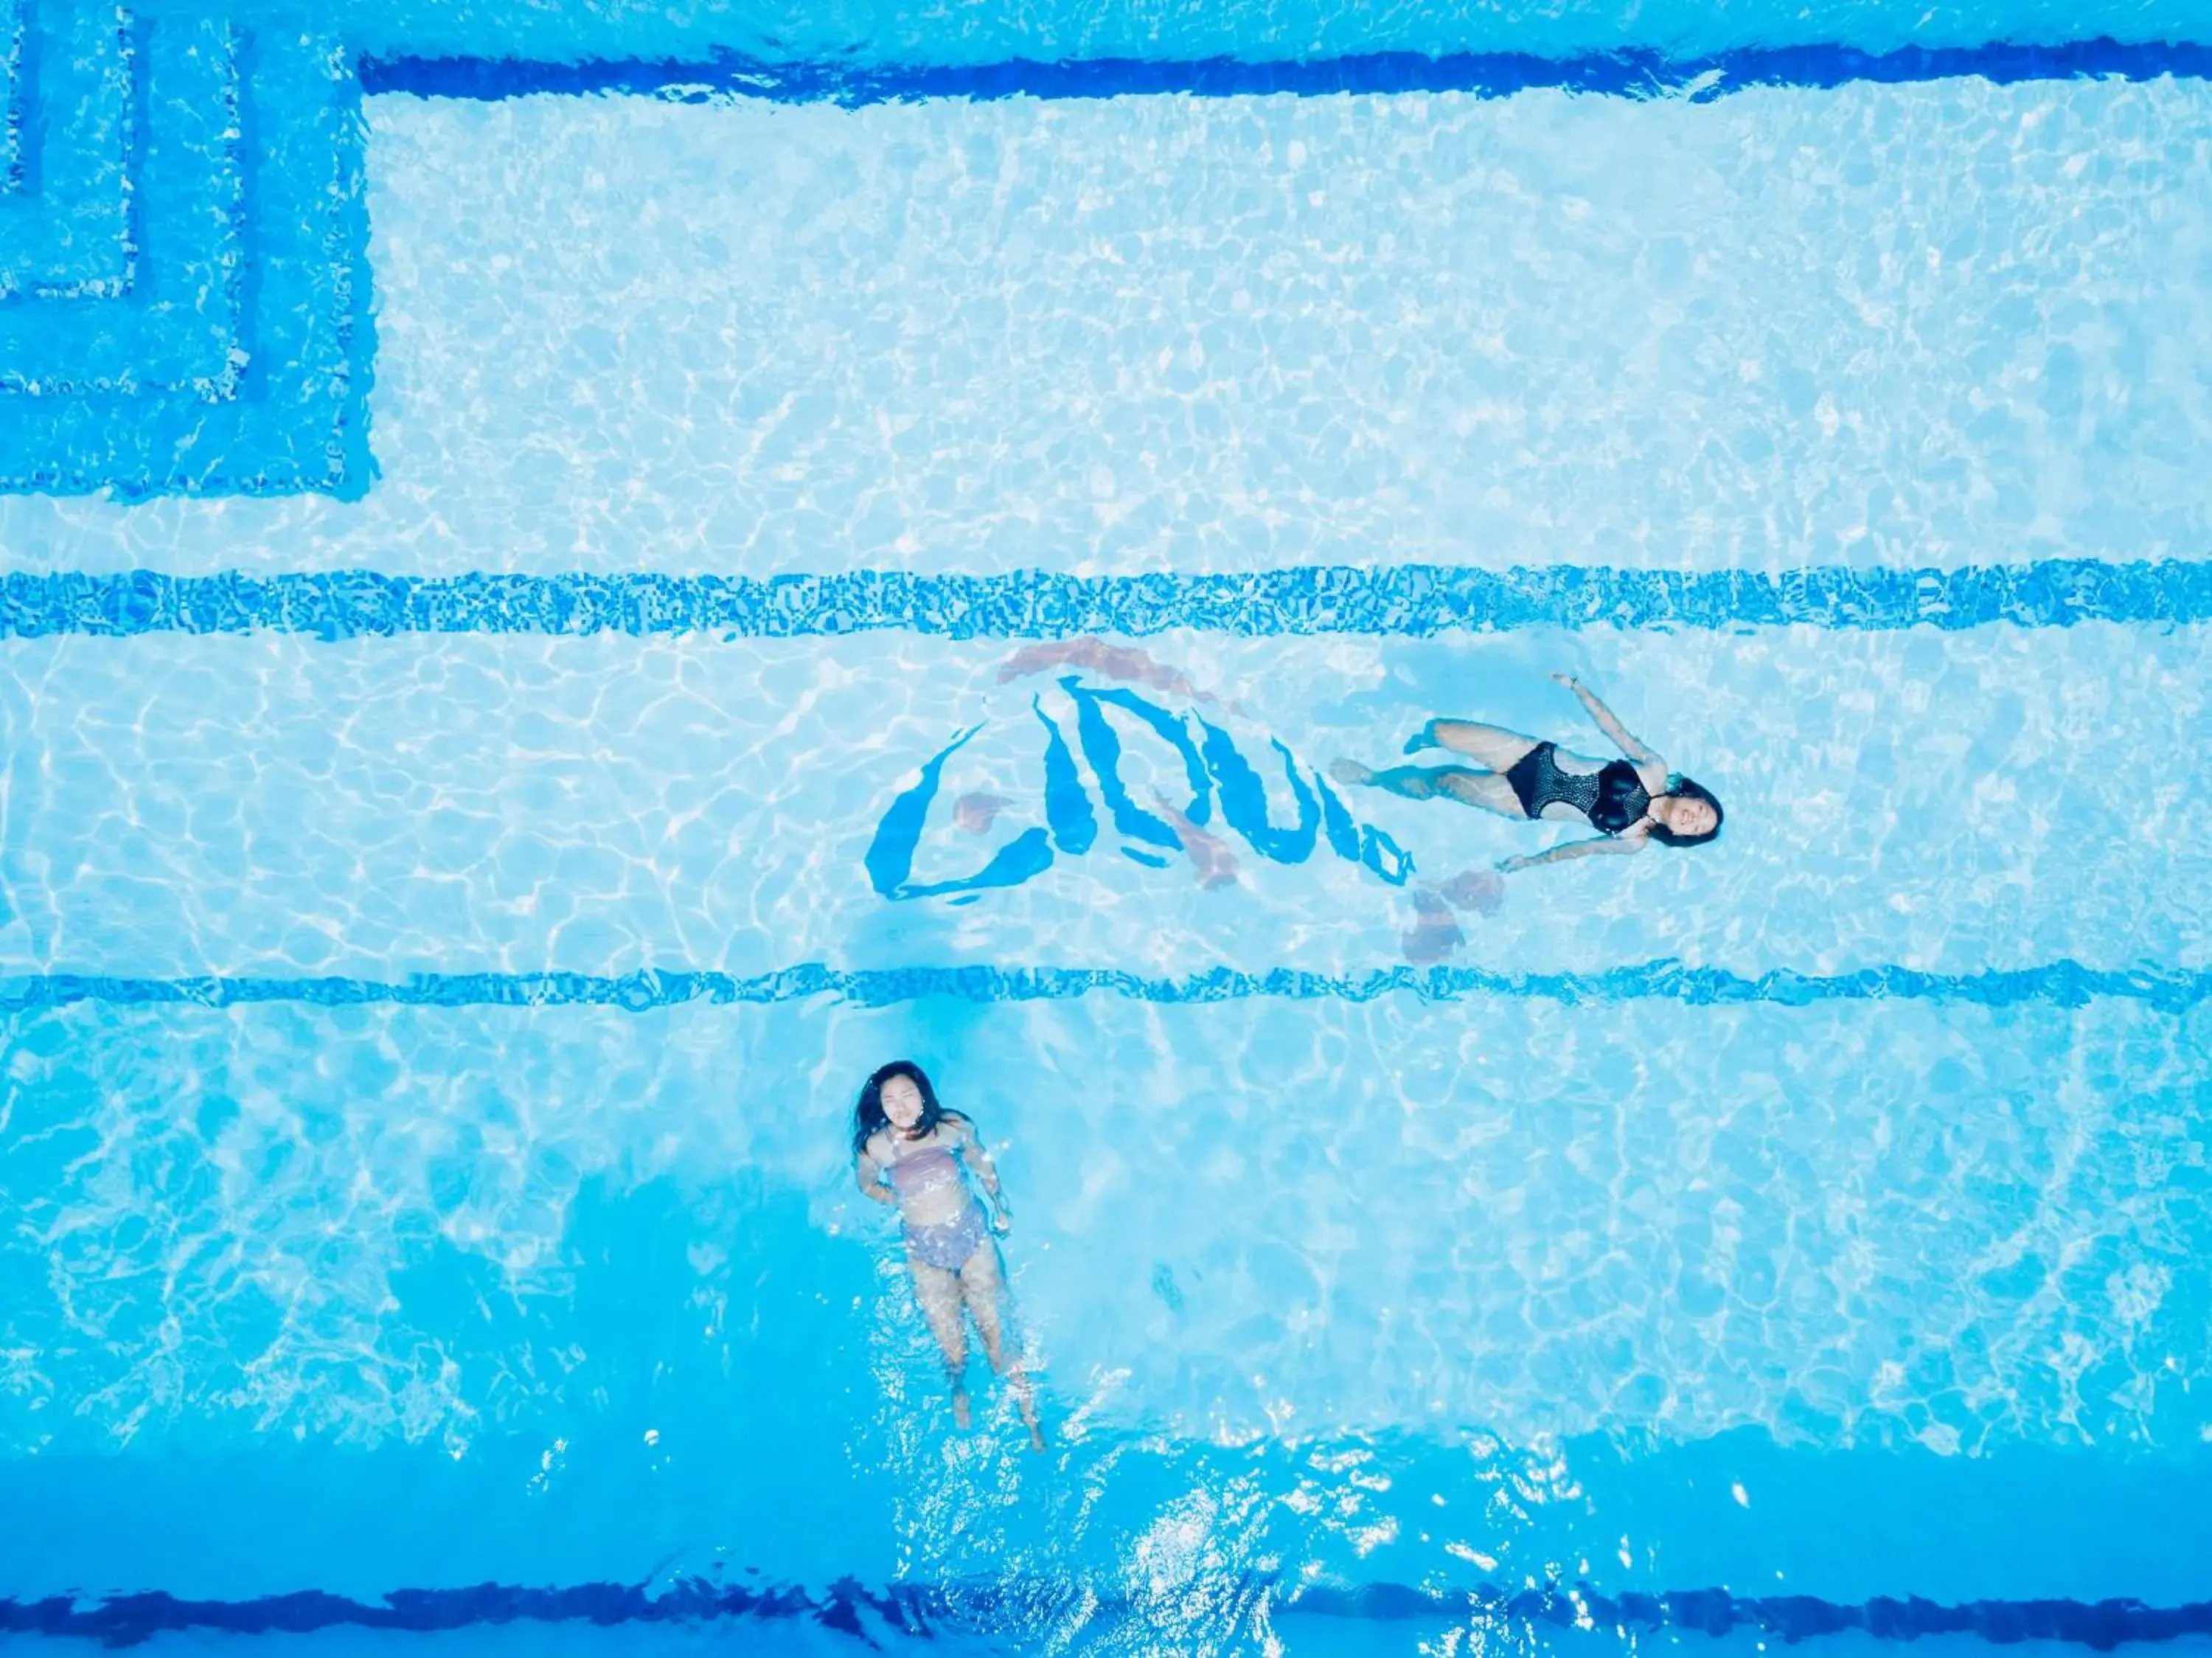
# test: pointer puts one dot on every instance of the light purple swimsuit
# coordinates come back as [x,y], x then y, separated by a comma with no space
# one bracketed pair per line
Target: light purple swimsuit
[946,1244]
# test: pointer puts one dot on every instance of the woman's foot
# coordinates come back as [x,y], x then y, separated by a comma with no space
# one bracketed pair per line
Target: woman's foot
[1351,773]
[1425,738]
[1025,1402]
[961,1415]
[1435,933]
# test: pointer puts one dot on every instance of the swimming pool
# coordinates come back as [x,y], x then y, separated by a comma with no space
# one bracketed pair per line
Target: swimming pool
[575,582]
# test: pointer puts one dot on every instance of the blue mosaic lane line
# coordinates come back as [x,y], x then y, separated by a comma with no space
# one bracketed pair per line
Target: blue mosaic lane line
[1415,599]
[1634,74]
[2061,984]
[919,1611]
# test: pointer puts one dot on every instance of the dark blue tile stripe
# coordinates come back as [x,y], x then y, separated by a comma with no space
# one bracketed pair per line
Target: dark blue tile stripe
[1396,598]
[2062,983]
[11,117]
[1010,1611]
[1632,74]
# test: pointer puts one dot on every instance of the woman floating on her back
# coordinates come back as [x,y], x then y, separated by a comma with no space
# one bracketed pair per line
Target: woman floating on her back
[910,1152]
[1628,802]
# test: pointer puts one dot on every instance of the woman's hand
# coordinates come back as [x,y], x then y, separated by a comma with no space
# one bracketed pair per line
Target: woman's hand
[1566,680]
[1507,865]
[1001,1222]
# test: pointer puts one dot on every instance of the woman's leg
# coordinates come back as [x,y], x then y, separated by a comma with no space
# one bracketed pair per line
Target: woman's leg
[938,1293]
[984,1289]
[1492,746]
[1485,790]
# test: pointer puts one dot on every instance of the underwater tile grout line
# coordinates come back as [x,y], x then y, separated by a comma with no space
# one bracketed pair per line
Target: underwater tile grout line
[1402,600]
[1631,73]
[2064,984]
[922,1611]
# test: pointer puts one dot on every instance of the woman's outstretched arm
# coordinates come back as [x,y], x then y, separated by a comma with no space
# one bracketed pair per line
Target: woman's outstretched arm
[1575,849]
[1621,737]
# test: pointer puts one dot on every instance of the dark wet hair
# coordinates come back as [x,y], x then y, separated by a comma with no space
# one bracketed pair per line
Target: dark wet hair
[1682,788]
[868,1114]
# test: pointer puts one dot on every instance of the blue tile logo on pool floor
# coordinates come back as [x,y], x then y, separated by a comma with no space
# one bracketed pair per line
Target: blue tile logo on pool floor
[184,279]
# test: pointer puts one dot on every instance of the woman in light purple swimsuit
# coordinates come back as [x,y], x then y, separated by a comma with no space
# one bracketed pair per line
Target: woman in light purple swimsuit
[911,1153]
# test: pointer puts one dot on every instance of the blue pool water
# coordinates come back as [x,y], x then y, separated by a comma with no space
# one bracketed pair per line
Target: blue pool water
[572,580]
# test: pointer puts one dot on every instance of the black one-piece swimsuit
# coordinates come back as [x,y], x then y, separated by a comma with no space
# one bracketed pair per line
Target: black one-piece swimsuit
[1613,798]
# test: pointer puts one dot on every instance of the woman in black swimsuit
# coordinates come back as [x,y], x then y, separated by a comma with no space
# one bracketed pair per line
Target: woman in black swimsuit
[1628,802]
